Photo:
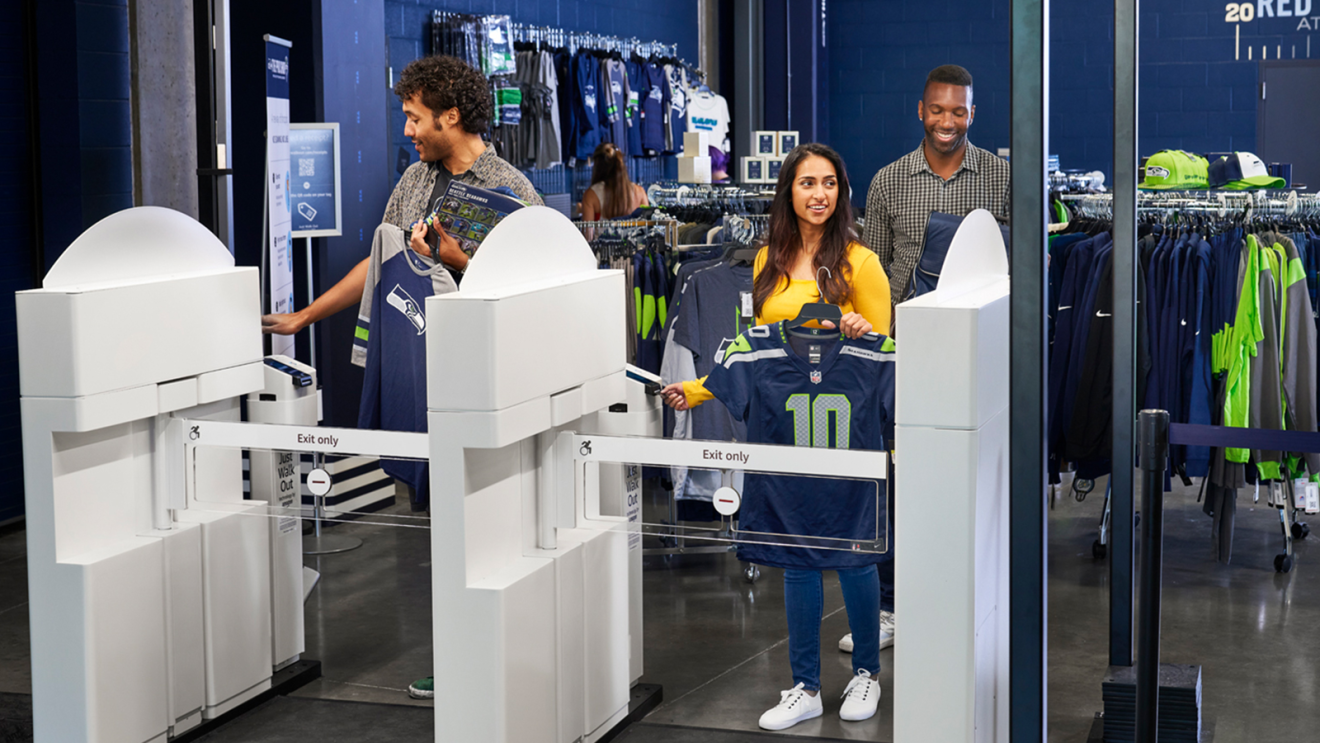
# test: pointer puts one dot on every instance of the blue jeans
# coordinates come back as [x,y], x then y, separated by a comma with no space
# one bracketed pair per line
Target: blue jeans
[886,569]
[804,599]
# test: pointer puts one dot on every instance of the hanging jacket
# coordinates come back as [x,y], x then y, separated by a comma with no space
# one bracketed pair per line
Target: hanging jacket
[1243,345]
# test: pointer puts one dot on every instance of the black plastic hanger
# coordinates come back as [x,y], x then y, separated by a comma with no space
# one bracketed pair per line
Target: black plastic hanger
[820,310]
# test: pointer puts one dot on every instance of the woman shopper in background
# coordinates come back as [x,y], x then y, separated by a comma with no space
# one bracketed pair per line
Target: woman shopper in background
[612,193]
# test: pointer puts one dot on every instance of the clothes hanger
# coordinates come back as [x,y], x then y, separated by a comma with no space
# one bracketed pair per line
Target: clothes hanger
[820,310]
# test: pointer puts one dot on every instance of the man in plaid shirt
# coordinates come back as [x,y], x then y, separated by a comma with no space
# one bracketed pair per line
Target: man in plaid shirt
[946,173]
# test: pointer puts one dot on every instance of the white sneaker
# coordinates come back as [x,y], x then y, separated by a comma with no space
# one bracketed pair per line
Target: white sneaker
[861,698]
[886,629]
[886,633]
[795,705]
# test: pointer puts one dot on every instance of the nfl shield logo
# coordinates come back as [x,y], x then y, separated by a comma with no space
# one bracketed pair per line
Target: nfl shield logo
[815,377]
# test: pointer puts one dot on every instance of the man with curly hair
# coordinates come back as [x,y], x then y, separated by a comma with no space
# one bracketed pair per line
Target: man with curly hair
[448,107]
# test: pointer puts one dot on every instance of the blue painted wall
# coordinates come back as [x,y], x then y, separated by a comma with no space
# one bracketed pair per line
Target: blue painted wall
[16,254]
[82,151]
[407,25]
[1198,85]
[880,53]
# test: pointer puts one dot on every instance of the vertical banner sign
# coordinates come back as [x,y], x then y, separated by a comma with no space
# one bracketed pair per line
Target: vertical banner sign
[280,261]
[633,491]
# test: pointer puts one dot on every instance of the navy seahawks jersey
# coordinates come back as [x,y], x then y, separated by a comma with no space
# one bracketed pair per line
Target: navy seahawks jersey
[394,381]
[820,390]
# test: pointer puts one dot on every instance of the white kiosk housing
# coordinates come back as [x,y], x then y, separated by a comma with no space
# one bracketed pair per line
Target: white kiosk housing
[151,606]
[951,495]
[532,639]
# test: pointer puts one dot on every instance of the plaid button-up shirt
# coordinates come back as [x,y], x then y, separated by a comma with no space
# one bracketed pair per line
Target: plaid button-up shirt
[905,192]
[410,201]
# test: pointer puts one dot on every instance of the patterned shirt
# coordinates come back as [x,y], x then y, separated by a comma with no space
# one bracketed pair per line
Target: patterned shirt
[411,199]
[905,192]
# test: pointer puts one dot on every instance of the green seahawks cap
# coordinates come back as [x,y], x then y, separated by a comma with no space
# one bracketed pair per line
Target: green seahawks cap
[1175,169]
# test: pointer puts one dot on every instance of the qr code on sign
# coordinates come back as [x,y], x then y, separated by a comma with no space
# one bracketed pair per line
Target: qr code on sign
[306,167]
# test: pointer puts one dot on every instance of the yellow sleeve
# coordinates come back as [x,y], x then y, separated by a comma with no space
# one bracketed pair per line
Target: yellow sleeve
[870,286]
[696,393]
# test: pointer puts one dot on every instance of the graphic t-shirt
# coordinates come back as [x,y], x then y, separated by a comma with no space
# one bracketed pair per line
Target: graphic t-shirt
[654,110]
[588,117]
[392,326]
[709,112]
[826,391]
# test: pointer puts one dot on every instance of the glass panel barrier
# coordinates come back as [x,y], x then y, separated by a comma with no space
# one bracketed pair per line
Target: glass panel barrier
[754,496]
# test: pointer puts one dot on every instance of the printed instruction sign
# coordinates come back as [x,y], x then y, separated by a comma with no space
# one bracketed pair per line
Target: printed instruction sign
[314,183]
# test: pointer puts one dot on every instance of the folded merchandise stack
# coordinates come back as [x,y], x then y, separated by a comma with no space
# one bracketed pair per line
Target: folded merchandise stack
[694,165]
[1179,719]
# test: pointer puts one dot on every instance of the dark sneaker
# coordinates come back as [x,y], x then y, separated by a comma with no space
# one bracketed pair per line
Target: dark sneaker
[422,688]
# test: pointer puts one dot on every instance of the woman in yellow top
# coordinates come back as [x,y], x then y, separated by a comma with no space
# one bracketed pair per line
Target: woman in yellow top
[811,229]
[811,226]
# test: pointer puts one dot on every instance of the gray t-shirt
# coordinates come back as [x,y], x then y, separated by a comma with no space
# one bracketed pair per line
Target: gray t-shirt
[710,318]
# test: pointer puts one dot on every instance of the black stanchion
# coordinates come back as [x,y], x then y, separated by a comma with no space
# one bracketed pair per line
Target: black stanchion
[1153,439]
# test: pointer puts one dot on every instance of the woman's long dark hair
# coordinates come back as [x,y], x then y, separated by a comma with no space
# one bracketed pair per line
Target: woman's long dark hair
[784,241]
[607,166]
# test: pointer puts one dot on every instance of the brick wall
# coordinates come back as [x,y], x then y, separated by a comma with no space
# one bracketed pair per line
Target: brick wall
[1198,73]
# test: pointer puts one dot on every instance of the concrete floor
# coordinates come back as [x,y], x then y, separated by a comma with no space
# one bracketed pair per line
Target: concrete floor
[718,644]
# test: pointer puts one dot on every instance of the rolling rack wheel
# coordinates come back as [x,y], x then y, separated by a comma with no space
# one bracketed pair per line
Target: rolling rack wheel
[1099,549]
[1300,530]
[751,573]
[1283,563]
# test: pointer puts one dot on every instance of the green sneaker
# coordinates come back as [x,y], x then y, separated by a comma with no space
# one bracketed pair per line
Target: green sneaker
[422,688]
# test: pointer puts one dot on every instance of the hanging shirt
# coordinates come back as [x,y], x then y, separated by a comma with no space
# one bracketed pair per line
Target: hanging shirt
[655,108]
[588,134]
[709,112]
[636,90]
[616,77]
[716,309]
[393,330]
[825,391]
[676,99]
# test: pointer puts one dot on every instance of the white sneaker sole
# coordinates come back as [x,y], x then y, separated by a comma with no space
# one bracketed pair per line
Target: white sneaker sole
[858,717]
[784,725]
[846,644]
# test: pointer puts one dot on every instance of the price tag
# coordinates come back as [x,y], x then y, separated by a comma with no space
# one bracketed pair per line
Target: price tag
[747,310]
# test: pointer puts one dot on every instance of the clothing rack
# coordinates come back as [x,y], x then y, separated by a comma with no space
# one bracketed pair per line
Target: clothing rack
[1290,215]
[1077,182]
[573,41]
[592,229]
[1217,203]
[672,194]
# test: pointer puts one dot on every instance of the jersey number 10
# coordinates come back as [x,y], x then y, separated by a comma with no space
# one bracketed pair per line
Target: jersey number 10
[811,419]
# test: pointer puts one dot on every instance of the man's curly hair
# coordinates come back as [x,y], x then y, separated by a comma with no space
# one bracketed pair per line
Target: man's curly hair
[445,83]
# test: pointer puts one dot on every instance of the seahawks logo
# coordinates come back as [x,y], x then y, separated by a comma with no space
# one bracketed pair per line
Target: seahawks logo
[724,347]
[403,302]
[1155,171]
